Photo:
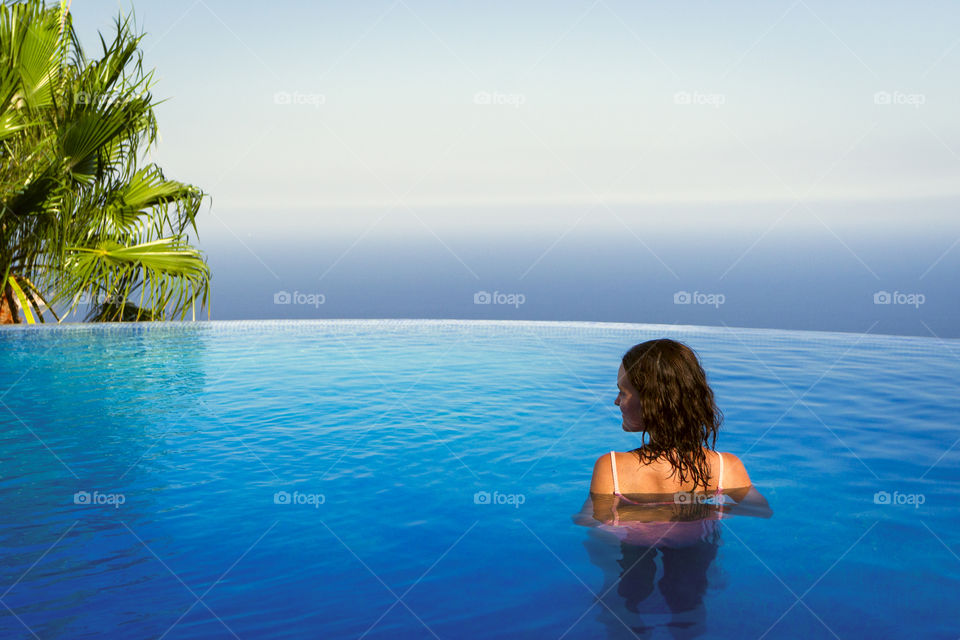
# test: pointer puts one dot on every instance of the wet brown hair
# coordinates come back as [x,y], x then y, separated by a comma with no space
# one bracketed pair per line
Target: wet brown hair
[677,407]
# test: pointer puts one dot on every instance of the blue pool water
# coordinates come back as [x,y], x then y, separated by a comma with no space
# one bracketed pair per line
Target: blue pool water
[331,479]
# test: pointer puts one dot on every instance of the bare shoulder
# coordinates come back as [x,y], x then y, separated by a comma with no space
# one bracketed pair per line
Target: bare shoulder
[734,473]
[602,481]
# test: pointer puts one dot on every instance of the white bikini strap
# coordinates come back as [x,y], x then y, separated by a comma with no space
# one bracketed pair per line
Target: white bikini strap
[613,467]
[720,479]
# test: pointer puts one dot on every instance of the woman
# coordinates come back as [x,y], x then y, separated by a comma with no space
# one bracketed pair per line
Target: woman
[664,393]
[678,488]
[677,480]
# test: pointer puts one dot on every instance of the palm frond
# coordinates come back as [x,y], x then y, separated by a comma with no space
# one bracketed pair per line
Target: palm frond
[78,211]
[24,304]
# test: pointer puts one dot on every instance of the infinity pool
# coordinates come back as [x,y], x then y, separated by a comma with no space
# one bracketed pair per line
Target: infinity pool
[422,479]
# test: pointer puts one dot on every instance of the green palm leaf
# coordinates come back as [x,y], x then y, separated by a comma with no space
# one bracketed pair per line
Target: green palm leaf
[24,305]
[78,214]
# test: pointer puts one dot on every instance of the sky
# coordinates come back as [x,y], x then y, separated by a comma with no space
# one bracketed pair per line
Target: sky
[310,104]
[326,132]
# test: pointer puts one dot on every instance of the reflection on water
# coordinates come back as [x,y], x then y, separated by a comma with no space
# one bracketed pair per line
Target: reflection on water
[634,543]
[630,571]
[91,410]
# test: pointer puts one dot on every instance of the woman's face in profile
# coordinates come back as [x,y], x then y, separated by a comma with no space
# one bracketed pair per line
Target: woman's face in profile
[629,402]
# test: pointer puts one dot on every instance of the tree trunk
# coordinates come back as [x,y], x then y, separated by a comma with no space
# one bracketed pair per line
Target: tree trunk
[9,311]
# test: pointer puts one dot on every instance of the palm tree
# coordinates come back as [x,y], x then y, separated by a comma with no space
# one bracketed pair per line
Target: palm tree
[80,218]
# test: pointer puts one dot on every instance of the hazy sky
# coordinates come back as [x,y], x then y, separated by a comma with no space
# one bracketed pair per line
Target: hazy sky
[304,105]
[597,156]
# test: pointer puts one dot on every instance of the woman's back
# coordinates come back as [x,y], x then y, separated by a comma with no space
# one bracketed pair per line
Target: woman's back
[634,476]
